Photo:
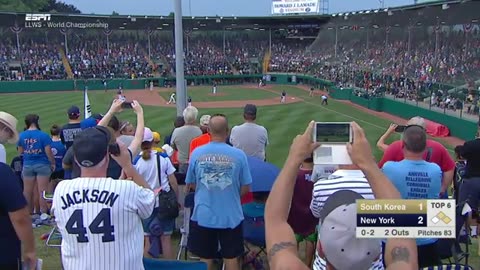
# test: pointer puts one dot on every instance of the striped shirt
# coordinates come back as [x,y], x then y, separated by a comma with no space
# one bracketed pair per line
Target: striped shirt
[326,187]
[100,223]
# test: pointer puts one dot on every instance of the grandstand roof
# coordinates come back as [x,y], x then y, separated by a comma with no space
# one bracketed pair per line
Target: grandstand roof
[437,13]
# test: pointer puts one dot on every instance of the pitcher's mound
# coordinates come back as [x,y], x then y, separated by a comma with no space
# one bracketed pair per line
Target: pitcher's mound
[217,94]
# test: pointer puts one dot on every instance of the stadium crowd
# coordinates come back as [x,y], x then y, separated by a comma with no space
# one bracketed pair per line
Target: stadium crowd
[125,186]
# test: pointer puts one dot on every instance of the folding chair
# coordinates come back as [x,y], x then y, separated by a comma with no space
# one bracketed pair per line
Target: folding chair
[448,267]
[185,229]
[152,264]
[254,235]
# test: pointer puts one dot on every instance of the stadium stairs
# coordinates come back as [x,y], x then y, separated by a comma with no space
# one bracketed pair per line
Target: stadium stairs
[151,63]
[266,61]
[66,64]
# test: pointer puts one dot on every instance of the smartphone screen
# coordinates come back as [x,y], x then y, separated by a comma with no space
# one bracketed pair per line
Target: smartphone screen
[333,132]
[400,129]
[126,105]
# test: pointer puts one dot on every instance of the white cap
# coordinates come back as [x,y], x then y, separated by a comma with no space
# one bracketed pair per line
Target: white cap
[417,121]
[204,120]
[147,135]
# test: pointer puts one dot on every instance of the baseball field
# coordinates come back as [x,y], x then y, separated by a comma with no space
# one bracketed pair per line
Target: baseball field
[283,121]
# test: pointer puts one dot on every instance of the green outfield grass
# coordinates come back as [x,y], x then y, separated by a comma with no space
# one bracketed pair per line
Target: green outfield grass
[204,93]
[283,122]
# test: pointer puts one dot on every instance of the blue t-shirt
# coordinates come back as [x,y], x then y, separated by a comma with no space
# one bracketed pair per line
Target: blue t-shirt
[219,171]
[58,151]
[415,179]
[11,200]
[33,143]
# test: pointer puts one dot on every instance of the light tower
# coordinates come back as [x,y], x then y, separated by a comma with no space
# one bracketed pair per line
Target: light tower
[324,6]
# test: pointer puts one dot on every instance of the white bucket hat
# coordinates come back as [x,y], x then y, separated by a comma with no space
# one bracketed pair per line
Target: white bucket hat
[10,122]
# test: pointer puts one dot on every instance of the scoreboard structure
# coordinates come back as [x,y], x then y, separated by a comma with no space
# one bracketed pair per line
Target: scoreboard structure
[405,219]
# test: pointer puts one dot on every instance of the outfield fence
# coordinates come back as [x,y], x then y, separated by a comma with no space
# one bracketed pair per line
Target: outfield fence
[462,128]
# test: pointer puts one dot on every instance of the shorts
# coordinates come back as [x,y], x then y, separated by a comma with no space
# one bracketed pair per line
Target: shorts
[209,243]
[309,238]
[58,175]
[167,226]
[34,170]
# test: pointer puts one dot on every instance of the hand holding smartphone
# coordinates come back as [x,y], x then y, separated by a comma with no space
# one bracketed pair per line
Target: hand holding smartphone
[127,105]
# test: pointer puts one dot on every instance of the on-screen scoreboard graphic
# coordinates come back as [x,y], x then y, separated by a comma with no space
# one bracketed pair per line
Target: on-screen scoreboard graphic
[405,219]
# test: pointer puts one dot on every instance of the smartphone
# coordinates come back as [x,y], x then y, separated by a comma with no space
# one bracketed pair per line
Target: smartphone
[126,105]
[114,149]
[333,132]
[400,129]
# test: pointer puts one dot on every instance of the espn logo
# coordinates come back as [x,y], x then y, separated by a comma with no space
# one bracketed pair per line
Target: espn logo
[38,17]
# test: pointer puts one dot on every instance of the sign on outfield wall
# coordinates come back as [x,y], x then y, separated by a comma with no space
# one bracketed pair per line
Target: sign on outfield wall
[282,7]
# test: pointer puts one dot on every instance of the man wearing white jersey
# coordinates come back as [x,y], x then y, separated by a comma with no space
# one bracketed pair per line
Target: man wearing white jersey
[100,218]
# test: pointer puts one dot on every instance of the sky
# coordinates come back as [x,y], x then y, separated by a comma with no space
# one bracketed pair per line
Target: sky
[214,7]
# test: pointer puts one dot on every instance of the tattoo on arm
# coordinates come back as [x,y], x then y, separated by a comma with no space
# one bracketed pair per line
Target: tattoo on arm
[279,247]
[400,254]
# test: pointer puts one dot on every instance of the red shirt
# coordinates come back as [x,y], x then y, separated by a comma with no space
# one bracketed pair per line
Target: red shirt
[301,218]
[438,154]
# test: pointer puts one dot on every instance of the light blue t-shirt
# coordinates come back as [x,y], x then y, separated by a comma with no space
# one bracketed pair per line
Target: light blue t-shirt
[219,171]
[415,179]
[33,143]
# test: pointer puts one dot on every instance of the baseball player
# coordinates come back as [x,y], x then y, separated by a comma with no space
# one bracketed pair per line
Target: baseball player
[260,83]
[120,95]
[99,218]
[151,86]
[311,91]
[324,99]
[172,99]
[189,101]
[214,89]
[104,82]
[284,97]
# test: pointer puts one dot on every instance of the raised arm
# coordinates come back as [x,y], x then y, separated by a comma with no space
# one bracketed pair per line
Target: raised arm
[381,142]
[281,243]
[137,141]
[400,254]
[115,108]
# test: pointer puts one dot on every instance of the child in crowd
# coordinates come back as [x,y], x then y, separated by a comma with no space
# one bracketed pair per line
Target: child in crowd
[58,151]
[17,165]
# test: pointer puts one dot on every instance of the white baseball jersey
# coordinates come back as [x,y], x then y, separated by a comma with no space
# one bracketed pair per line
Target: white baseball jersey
[100,223]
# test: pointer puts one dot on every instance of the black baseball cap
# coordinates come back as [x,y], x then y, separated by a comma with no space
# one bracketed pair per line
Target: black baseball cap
[250,109]
[74,110]
[91,146]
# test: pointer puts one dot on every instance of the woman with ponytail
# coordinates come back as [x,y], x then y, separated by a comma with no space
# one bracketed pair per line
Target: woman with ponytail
[158,171]
[38,162]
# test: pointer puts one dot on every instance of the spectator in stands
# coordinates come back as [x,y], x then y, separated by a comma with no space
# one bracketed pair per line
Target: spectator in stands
[281,244]
[323,189]
[179,122]
[134,201]
[149,164]
[300,217]
[71,168]
[15,225]
[183,136]
[435,152]
[220,176]
[156,142]
[109,119]
[8,133]
[70,129]
[470,187]
[58,151]
[250,137]
[381,141]
[127,133]
[416,178]
[38,163]
[205,137]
